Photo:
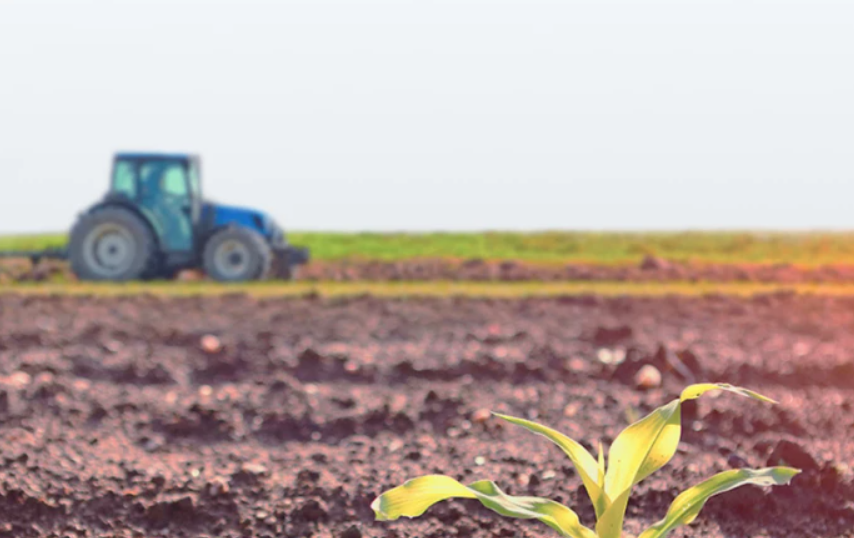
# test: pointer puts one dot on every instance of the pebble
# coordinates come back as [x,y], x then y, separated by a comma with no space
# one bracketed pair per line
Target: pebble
[480,416]
[648,377]
[254,469]
[18,380]
[480,461]
[218,486]
[210,344]
[571,410]
[611,356]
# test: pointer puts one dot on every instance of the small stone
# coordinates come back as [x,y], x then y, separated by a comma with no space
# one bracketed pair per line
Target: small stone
[254,469]
[648,377]
[395,445]
[549,475]
[480,416]
[480,461]
[18,380]
[210,344]
[218,486]
[261,514]
[611,356]
[571,410]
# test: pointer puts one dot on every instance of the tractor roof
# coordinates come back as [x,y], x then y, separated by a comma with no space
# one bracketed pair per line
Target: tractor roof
[156,156]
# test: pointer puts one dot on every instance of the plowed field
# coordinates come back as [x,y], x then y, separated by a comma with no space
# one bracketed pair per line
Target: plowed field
[234,416]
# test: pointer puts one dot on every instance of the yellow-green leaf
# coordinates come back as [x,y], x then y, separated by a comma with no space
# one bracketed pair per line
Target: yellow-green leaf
[688,504]
[585,463]
[610,524]
[645,447]
[414,497]
[695,391]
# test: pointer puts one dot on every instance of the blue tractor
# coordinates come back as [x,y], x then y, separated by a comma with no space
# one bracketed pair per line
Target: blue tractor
[154,223]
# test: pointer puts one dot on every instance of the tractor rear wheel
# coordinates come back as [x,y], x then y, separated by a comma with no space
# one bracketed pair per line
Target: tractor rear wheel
[111,243]
[237,255]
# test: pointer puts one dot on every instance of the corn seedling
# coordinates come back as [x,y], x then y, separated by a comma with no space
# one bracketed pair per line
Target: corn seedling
[640,450]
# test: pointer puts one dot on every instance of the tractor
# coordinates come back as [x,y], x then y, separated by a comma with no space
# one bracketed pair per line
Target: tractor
[154,223]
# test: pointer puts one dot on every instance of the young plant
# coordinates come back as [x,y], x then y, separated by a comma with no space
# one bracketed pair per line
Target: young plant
[640,450]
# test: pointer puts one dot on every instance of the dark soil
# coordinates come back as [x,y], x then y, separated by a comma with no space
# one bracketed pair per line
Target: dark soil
[233,416]
[648,270]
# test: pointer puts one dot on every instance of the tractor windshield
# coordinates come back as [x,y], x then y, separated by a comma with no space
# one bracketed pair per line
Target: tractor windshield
[124,178]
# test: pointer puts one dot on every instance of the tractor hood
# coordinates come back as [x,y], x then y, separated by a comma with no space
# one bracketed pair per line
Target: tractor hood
[217,216]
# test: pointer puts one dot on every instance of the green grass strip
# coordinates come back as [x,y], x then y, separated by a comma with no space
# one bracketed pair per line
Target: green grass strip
[806,249]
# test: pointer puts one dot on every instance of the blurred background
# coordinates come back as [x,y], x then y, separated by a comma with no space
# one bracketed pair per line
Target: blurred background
[440,115]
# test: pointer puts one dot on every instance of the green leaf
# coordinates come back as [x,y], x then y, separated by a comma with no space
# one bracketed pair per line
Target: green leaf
[586,465]
[645,447]
[415,496]
[689,503]
[695,391]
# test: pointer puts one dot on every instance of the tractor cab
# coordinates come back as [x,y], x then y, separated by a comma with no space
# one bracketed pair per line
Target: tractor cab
[153,223]
[166,189]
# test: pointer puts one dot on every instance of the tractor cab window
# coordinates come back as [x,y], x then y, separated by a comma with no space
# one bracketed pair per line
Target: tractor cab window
[174,181]
[124,180]
[195,184]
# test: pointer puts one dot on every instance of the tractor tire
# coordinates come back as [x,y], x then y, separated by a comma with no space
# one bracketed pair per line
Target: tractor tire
[237,255]
[113,244]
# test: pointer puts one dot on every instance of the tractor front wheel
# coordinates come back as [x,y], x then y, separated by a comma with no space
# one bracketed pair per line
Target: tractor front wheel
[237,255]
[111,243]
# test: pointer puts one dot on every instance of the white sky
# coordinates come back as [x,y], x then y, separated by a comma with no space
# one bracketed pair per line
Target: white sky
[443,114]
